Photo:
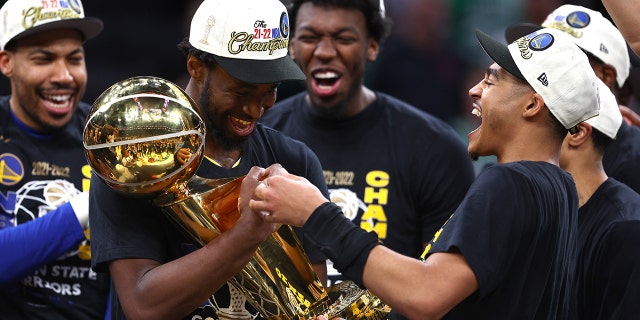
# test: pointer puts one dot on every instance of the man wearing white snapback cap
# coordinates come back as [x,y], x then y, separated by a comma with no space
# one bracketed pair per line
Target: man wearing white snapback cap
[609,58]
[508,251]
[608,270]
[44,235]
[236,57]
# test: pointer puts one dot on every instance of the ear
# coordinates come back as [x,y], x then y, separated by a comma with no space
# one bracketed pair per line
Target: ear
[609,75]
[534,106]
[6,63]
[196,68]
[373,50]
[292,48]
[581,136]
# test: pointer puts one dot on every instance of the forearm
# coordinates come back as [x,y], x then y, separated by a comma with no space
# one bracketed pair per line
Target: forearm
[411,287]
[344,243]
[176,288]
[625,15]
[435,286]
[28,246]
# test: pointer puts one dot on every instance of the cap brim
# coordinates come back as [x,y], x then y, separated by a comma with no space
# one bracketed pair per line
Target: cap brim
[262,71]
[89,27]
[519,30]
[499,53]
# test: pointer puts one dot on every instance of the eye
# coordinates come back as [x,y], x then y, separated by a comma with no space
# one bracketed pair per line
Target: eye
[307,38]
[41,59]
[346,39]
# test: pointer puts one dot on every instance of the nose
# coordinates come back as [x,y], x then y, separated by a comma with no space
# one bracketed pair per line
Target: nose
[61,73]
[475,91]
[325,48]
[255,109]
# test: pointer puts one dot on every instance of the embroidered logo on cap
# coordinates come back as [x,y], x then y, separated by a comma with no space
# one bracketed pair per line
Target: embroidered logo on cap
[211,21]
[51,10]
[578,19]
[284,25]
[276,40]
[541,42]
[543,79]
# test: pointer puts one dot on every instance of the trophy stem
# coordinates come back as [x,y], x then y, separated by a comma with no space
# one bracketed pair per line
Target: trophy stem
[279,280]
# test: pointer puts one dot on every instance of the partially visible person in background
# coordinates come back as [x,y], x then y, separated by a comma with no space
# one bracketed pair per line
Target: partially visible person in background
[609,57]
[45,266]
[608,273]
[392,168]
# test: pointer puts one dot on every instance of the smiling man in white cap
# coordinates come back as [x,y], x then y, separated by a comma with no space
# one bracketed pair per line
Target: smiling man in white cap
[608,270]
[236,57]
[44,175]
[508,250]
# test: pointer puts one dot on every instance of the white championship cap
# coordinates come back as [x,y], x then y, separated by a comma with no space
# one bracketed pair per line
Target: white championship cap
[555,67]
[248,38]
[590,30]
[610,119]
[21,18]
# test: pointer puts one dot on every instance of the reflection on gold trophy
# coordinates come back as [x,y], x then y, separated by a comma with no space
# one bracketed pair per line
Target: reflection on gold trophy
[136,137]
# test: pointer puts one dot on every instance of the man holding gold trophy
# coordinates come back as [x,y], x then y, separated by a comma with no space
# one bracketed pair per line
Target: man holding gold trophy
[236,57]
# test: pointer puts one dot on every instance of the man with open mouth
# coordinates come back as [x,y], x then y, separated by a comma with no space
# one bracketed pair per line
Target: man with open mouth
[508,251]
[44,177]
[393,168]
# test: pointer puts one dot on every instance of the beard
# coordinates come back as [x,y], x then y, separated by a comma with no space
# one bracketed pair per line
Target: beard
[213,131]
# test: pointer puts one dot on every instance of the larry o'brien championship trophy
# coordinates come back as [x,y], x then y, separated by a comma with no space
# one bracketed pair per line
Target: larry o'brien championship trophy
[132,136]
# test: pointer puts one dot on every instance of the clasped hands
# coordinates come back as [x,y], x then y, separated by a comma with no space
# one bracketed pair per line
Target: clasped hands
[278,196]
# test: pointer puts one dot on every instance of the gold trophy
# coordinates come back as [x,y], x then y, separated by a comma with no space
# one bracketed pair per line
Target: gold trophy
[136,135]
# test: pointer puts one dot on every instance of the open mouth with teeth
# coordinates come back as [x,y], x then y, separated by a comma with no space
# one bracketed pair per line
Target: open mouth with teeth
[241,127]
[58,104]
[325,83]
[476,111]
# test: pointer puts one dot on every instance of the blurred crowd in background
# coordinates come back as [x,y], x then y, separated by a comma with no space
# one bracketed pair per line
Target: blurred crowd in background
[430,60]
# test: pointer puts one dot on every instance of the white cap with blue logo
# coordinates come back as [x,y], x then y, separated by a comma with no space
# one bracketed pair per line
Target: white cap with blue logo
[248,38]
[555,67]
[593,33]
[21,18]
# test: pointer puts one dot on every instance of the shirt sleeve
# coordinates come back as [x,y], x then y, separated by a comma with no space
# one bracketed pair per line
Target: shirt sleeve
[30,245]
[485,228]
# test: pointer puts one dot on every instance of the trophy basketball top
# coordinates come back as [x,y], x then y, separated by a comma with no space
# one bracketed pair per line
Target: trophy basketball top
[143,137]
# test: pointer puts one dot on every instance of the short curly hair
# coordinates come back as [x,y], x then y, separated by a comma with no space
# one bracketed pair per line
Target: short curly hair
[188,49]
[378,25]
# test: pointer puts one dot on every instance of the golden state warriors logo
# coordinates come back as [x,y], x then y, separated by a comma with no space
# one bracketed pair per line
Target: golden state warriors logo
[284,25]
[578,19]
[11,169]
[73,4]
[541,42]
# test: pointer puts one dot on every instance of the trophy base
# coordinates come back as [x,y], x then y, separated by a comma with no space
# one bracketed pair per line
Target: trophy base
[348,301]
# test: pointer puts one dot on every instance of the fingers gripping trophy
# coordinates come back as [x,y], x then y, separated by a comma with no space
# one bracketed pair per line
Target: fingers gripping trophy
[144,138]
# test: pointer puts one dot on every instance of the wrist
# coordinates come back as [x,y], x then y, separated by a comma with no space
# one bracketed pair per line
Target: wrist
[80,206]
[343,242]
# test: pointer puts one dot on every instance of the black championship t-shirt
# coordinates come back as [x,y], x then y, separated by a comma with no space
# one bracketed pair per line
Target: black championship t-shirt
[517,229]
[608,277]
[622,156]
